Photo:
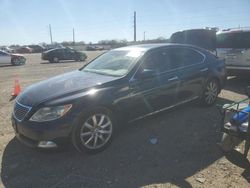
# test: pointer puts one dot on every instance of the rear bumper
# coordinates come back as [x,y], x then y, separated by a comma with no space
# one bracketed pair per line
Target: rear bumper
[237,70]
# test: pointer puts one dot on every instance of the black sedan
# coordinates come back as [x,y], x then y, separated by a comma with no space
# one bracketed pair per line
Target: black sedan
[127,83]
[55,55]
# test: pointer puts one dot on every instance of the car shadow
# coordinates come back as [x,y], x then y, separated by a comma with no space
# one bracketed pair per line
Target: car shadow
[241,161]
[166,148]
[6,65]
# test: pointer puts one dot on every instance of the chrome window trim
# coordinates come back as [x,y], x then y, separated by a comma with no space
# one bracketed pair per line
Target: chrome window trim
[179,68]
[28,107]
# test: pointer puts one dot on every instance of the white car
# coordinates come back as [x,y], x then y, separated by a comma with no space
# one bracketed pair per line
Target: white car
[233,45]
[14,59]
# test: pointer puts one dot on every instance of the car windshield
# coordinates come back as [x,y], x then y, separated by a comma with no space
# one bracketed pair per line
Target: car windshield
[114,63]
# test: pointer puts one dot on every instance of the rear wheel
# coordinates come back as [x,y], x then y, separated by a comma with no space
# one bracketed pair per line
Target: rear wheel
[94,131]
[210,92]
[82,58]
[55,59]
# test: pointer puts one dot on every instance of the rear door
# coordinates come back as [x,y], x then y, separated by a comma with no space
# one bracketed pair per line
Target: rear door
[69,54]
[192,72]
[4,58]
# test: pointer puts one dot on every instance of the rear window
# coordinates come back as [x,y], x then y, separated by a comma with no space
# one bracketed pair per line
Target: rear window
[233,40]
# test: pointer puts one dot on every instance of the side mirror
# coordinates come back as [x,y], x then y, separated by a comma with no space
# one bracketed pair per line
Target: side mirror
[147,73]
[248,91]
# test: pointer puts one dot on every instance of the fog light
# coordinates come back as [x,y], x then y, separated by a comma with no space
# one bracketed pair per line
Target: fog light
[47,144]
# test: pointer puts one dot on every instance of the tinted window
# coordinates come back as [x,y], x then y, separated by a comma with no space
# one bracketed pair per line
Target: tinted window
[158,60]
[3,53]
[233,40]
[181,57]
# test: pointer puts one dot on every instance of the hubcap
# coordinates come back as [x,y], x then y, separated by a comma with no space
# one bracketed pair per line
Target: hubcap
[96,131]
[55,59]
[211,92]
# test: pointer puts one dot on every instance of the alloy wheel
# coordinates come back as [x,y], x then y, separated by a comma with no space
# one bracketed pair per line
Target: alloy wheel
[96,131]
[211,92]
[55,59]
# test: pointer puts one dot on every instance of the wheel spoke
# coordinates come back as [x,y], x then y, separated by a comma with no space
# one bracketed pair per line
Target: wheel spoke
[91,138]
[101,137]
[86,124]
[94,120]
[86,134]
[101,120]
[105,125]
[104,132]
[95,141]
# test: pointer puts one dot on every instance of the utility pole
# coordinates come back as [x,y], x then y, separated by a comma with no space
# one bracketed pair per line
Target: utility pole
[134,26]
[144,34]
[73,36]
[50,34]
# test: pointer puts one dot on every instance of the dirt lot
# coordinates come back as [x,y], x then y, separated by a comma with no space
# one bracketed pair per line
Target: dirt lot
[185,154]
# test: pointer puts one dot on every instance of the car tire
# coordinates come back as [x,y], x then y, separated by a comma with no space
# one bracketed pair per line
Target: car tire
[82,58]
[15,62]
[210,93]
[93,131]
[55,59]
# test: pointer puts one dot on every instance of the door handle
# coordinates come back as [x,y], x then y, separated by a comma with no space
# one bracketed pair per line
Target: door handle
[173,78]
[204,70]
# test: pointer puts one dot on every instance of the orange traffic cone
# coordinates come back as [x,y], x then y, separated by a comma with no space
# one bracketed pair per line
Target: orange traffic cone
[17,88]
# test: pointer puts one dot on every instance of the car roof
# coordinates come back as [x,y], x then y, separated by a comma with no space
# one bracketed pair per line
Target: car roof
[233,30]
[147,47]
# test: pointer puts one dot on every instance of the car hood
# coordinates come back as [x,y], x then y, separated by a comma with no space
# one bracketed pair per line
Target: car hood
[61,85]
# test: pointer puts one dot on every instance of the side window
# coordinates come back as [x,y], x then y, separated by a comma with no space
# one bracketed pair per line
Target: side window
[3,54]
[158,60]
[181,57]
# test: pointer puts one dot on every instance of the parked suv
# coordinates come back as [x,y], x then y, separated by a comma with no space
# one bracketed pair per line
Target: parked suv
[126,83]
[234,46]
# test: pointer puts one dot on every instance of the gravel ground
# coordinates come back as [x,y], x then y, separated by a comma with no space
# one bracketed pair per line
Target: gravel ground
[177,148]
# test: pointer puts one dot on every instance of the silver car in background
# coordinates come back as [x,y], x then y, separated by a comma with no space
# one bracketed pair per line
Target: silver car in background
[14,59]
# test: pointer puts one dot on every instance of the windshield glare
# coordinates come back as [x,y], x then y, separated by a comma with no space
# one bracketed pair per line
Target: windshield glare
[114,63]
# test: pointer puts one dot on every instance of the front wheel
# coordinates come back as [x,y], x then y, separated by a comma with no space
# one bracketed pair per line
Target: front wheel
[210,93]
[16,62]
[94,131]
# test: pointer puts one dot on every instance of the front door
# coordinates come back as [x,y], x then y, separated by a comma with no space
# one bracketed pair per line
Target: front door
[156,92]
[4,58]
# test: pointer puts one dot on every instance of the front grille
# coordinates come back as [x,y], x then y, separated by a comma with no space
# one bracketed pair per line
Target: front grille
[20,111]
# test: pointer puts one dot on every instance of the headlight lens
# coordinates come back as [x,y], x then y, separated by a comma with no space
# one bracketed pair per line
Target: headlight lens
[50,113]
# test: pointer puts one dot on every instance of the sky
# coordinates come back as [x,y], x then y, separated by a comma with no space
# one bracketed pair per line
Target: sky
[27,21]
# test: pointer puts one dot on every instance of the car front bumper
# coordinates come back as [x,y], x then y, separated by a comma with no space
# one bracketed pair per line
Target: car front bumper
[33,134]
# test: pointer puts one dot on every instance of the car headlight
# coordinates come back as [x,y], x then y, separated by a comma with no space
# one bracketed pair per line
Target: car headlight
[50,113]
